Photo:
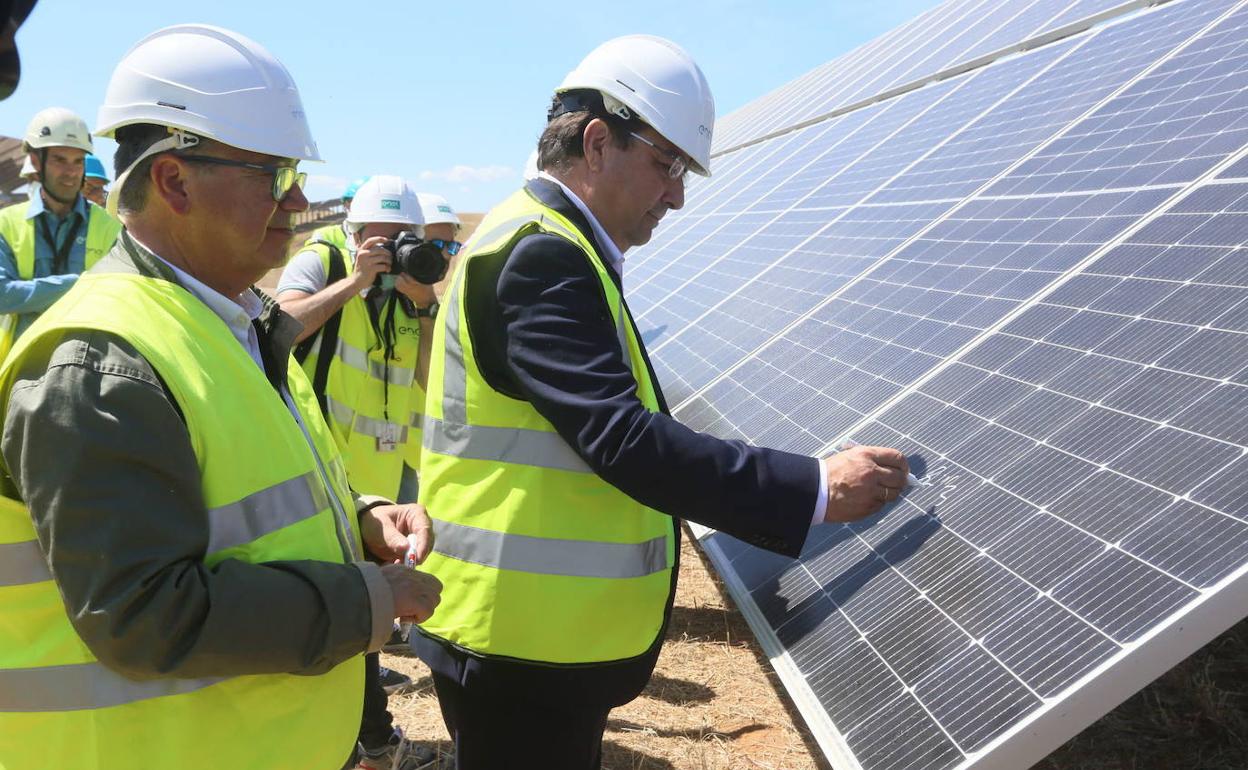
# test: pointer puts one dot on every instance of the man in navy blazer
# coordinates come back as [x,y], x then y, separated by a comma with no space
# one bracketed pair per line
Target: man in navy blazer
[612,160]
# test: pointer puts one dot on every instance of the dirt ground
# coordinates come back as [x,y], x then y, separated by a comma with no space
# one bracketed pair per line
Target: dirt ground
[714,702]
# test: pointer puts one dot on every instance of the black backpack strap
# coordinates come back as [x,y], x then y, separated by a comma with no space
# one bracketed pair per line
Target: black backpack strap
[327,334]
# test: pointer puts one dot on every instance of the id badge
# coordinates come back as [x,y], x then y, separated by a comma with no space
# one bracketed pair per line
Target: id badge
[388,440]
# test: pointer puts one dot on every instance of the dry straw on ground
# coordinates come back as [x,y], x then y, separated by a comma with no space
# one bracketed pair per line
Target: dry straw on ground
[713,704]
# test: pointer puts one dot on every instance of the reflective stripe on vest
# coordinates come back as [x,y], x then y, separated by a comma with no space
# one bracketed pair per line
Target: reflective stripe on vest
[251,518]
[22,563]
[84,686]
[510,445]
[363,424]
[358,359]
[551,556]
[265,511]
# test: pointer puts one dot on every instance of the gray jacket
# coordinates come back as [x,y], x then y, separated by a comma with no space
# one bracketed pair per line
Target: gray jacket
[97,448]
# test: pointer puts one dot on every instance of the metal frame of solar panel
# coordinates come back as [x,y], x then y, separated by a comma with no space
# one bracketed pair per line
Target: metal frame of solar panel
[1029,276]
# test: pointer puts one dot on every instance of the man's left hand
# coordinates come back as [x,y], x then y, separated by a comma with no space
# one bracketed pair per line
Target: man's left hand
[385,528]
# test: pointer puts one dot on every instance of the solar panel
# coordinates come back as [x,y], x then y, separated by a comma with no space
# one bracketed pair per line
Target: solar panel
[1031,278]
[951,37]
[945,152]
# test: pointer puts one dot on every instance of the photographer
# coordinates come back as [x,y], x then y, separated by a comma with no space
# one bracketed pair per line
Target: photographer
[367,313]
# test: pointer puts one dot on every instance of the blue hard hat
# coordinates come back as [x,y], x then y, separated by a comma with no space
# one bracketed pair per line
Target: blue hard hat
[349,193]
[95,168]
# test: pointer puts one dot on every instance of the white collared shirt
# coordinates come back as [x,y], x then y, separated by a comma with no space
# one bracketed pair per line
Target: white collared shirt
[237,313]
[615,257]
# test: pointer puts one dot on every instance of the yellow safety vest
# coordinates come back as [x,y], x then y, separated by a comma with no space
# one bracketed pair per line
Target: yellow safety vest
[269,497]
[371,400]
[539,558]
[19,233]
[328,234]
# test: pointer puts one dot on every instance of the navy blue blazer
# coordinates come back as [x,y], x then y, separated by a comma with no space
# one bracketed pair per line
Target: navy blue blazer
[541,332]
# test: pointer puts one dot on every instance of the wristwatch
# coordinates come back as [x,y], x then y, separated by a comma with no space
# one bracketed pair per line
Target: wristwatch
[430,312]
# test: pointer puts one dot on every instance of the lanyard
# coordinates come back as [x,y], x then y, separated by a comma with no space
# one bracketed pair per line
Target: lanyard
[378,302]
[60,256]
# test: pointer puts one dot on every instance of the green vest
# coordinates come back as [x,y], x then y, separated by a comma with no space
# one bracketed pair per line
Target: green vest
[19,233]
[539,558]
[267,500]
[371,399]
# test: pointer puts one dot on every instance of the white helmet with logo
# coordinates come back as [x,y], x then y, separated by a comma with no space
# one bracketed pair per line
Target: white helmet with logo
[436,210]
[385,198]
[57,127]
[204,81]
[657,81]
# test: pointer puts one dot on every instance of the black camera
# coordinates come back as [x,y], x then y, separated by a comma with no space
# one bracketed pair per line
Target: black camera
[420,260]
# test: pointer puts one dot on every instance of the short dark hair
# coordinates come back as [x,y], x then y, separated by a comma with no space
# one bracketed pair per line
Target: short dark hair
[562,141]
[133,141]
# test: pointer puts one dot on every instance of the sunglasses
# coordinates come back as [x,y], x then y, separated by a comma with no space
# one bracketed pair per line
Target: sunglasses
[450,247]
[284,177]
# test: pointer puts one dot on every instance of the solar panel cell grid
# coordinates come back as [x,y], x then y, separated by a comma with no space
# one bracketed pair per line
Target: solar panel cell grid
[1063,355]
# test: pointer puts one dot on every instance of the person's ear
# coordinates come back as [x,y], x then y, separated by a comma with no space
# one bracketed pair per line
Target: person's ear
[169,178]
[594,140]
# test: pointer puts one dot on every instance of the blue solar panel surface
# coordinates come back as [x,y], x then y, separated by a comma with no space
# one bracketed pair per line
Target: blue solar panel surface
[946,37]
[1032,279]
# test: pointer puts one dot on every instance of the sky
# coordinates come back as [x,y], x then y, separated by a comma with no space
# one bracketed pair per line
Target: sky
[451,95]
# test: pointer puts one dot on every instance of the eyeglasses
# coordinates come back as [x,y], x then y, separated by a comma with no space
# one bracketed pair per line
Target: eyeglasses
[450,247]
[284,177]
[677,167]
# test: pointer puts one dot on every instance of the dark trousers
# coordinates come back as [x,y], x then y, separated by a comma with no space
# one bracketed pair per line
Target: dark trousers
[494,731]
[376,723]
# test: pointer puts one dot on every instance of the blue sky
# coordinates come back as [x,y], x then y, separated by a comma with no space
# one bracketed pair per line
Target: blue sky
[450,95]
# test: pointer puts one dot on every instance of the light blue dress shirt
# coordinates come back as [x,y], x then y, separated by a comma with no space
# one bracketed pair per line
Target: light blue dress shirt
[30,298]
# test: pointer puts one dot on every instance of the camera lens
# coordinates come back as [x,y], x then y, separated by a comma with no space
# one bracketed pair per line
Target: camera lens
[420,260]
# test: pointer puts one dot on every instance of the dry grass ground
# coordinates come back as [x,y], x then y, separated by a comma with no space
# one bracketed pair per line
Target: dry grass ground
[714,703]
[1194,717]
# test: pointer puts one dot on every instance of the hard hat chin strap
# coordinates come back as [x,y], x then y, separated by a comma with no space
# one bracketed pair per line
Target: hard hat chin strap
[177,140]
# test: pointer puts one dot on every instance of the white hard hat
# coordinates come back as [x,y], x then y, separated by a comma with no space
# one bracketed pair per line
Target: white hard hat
[385,198]
[436,210]
[204,81]
[57,127]
[657,81]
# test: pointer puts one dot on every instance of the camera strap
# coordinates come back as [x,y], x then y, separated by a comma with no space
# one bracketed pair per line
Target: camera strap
[327,334]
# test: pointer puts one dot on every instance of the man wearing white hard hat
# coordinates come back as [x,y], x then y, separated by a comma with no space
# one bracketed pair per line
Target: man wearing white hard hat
[555,477]
[365,347]
[187,585]
[46,241]
[441,228]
